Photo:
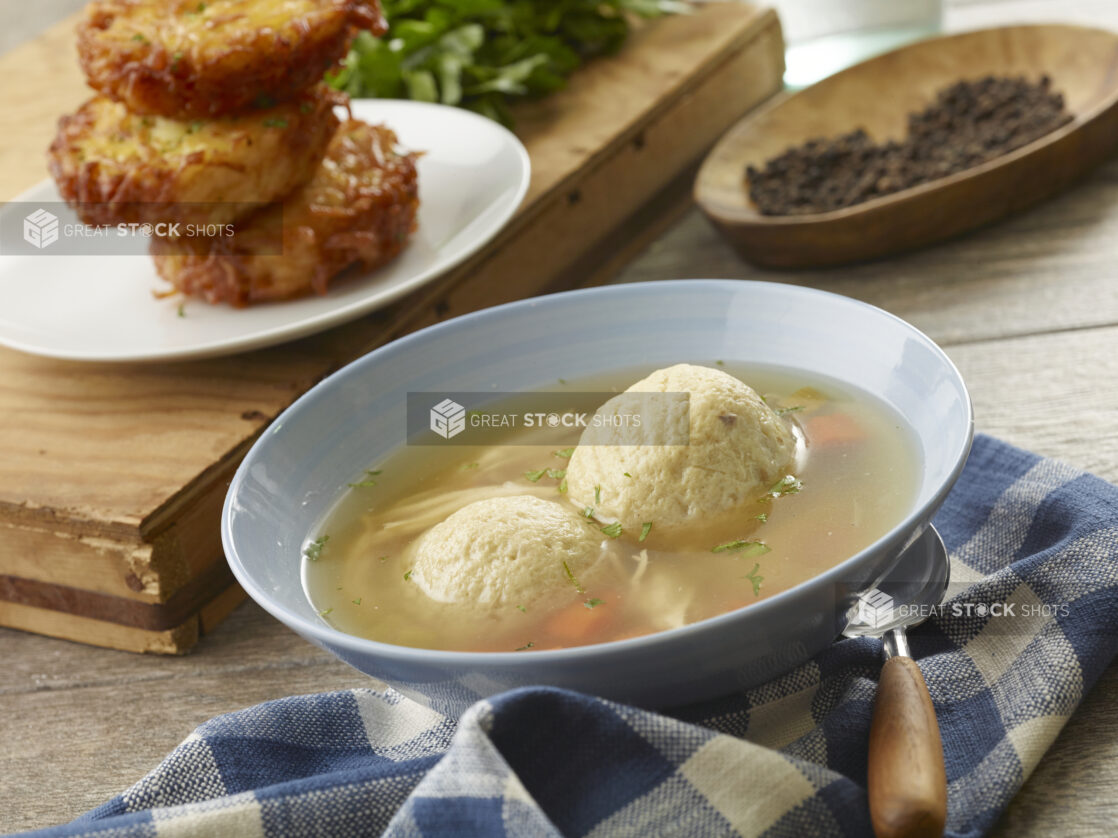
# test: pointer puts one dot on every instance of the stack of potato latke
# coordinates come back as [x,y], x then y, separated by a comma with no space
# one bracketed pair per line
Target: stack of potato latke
[211,114]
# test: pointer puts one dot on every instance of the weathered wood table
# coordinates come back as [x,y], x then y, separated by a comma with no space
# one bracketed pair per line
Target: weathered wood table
[1027,309]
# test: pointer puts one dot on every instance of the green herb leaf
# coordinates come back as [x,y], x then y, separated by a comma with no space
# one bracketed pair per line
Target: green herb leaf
[275,123]
[571,576]
[484,54]
[612,530]
[598,495]
[368,481]
[763,517]
[646,528]
[522,609]
[181,310]
[565,453]
[588,512]
[407,576]
[468,466]
[563,486]
[527,645]
[556,473]
[720,363]
[593,603]
[314,550]
[325,612]
[534,476]
[140,38]
[356,601]
[627,474]
[781,411]
[747,548]
[787,485]
[755,579]
[383,559]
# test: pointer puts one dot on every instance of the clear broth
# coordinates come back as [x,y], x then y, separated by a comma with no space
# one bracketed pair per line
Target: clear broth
[858,475]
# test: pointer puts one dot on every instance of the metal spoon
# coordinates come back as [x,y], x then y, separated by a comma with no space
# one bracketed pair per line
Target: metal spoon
[906,778]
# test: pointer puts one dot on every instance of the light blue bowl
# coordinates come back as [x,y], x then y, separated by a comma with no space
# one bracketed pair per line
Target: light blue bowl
[357,416]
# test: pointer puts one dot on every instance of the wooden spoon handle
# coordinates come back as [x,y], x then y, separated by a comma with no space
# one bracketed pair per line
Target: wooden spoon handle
[907,781]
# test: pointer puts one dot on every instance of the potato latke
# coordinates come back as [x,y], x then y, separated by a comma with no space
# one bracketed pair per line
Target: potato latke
[187,59]
[115,167]
[358,209]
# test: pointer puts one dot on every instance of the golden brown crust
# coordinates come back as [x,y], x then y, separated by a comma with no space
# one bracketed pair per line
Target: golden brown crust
[115,167]
[358,209]
[187,59]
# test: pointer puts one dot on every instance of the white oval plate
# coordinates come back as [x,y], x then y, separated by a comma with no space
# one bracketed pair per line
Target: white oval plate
[472,176]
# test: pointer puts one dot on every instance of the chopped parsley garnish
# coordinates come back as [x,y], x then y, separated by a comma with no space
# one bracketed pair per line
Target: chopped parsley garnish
[593,603]
[565,453]
[314,549]
[356,601]
[720,363]
[140,38]
[646,528]
[325,612]
[368,481]
[562,381]
[563,486]
[522,609]
[527,645]
[407,576]
[756,579]
[627,474]
[743,546]
[571,576]
[181,310]
[556,473]
[534,476]
[780,411]
[612,530]
[383,559]
[275,123]
[763,517]
[597,494]
[787,485]
[468,466]
[588,512]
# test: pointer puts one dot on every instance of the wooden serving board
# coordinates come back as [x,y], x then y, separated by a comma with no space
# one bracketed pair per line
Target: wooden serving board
[112,476]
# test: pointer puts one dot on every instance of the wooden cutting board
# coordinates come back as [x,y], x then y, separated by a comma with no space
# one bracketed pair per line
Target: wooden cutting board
[112,476]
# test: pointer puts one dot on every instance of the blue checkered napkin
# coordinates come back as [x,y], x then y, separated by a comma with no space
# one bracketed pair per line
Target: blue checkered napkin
[786,759]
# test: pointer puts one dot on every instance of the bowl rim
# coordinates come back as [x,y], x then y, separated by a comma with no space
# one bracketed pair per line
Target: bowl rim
[326,635]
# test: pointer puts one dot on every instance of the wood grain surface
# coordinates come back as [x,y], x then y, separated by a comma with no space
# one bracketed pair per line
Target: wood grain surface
[1028,309]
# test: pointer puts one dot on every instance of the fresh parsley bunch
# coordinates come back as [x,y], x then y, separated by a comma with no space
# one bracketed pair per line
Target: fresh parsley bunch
[482,54]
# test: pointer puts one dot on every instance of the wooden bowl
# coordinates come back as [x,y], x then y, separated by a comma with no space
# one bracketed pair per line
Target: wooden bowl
[878,95]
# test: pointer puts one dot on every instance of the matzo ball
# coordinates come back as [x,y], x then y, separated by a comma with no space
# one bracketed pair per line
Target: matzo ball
[737,448]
